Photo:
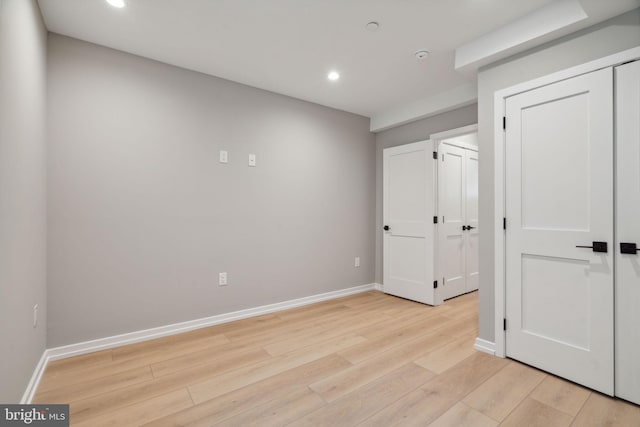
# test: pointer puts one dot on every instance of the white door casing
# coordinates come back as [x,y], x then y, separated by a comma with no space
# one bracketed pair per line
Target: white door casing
[627,337]
[559,195]
[472,249]
[452,217]
[408,206]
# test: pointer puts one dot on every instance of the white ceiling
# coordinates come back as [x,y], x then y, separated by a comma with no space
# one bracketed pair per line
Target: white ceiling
[289,46]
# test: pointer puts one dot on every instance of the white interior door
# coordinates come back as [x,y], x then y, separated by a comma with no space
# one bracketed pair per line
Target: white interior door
[471,209]
[408,199]
[559,195]
[452,213]
[628,231]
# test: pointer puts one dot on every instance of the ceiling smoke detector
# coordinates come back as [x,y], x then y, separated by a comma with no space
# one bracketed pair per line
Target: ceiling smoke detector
[372,26]
[421,54]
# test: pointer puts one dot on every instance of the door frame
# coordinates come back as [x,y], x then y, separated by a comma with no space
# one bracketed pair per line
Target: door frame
[499,174]
[437,139]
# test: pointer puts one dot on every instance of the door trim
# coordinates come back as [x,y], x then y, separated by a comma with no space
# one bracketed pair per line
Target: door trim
[499,172]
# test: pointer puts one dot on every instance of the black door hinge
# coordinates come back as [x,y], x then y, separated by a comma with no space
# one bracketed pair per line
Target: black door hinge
[435,155]
[504,324]
[435,284]
[435,219]
[504,122]
[504,223]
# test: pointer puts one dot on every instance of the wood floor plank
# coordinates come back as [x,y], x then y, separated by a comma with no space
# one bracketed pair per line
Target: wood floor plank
[222,356]
[532,413]
[500,394]
[448,355]
[92,406]
[389,338]
[323,332]
[460,415]
[274,413]
[140,413]
[304,330]
[286,325]
[78,362]
[169,346]
[361,403]
[560,394]
[603,411]
[241,377]
[94,387]
[350,379]
[426,404]
[274,388]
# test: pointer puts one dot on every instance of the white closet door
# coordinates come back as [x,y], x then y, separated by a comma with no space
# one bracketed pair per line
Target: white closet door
[472,236]
[452,212]
[559,195]
[628,231]
[408,199]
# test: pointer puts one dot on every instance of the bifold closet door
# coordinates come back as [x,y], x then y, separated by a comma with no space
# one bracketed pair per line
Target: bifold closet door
[559,237]
[628,231]
[472,250]
[452,212]
[408,205]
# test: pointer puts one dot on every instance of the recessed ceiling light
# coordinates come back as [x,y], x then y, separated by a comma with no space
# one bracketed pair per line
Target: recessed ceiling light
[333,76]
[372,26]
[116,3]
[421,54]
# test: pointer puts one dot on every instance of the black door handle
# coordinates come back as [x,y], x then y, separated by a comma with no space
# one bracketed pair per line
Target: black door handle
[386,228]
[597,247]
[470,227]
[464,228]
[629,248]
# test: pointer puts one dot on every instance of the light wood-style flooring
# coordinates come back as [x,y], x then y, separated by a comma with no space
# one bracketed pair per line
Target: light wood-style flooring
[367,360]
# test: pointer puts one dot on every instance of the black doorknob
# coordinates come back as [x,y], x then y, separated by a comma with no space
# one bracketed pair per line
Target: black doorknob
[386,228]
[464,228]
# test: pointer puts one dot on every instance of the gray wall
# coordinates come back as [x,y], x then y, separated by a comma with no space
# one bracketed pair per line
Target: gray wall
[143,217]
[23,42]
[412,132]
[615,35]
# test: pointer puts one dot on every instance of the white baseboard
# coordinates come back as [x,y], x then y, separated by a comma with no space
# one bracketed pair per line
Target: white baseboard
[378,287]
[34,382]
[485,346]
[176,328]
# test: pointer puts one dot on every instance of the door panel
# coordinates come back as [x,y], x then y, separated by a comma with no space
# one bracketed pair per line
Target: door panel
[452,210]
[407,203]
[472,236]
[628,231]
[559,187]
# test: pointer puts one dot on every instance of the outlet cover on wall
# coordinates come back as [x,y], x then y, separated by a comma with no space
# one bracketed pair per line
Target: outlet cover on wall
[224,156]
[222,279]
[356,262]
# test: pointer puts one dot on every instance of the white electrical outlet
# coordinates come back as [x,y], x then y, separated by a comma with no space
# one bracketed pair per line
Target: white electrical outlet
[252,160]
[356,262]
[222,279]
[35,315]
[224,156]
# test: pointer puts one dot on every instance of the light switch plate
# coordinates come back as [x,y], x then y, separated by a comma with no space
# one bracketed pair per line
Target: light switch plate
[222,279]
[252,160]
